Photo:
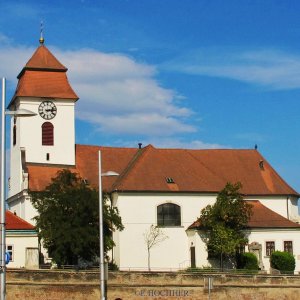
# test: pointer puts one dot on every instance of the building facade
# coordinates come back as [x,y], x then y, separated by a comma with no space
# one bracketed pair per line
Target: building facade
[163,187]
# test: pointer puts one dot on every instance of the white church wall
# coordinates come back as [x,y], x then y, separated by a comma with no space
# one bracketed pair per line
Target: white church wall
[139,213]
[15,171]
[276,203]
[23,208]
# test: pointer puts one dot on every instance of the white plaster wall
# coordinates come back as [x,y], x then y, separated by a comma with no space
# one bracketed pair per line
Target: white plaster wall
[293,209]
[194,238]
[275,203]
[23,208]
[138,213]
[63,151]
[15,171]
[260,236]
[278,236]
[29,136]
[20,243]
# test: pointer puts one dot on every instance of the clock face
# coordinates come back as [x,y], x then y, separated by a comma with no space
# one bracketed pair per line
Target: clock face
[47,110]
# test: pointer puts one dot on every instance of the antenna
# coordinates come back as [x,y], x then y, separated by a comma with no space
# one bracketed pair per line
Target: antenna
[41,35]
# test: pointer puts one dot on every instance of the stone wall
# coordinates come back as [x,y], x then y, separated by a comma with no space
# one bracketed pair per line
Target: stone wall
[83,285]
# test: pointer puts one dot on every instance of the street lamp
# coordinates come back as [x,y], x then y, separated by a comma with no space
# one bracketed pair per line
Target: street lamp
[16,113]
[101,236]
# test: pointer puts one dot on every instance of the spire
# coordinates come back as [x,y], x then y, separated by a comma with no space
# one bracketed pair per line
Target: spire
[41,35]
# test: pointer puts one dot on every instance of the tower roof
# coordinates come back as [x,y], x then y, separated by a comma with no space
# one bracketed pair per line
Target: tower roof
[43,60]
[44,76]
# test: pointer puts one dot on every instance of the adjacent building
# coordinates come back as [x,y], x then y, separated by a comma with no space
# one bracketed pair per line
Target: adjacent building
[21,243]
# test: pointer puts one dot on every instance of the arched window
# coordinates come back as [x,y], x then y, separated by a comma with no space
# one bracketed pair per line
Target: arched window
[47,134]
[168,214]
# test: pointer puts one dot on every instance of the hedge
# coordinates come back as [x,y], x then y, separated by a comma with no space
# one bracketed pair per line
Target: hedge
[283,261]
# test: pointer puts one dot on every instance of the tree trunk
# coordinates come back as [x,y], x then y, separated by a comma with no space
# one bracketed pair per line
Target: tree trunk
[149,260]
[221,262]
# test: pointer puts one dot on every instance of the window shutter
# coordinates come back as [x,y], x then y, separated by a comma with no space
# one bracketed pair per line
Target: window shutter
[47,134]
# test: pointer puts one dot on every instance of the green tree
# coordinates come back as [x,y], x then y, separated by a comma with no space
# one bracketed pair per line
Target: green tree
[68,219]
[224,222]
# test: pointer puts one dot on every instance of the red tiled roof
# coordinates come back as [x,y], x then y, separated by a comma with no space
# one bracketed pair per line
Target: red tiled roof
[44,76]
[14,222]
[262,217]
[45,84]
[265,217]
[113,159]
[201,171]
[43,59]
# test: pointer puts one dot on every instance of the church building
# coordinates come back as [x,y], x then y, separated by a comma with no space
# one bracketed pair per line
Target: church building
[161,187]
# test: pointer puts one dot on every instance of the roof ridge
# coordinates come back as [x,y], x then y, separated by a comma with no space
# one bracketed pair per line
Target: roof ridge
[103,147]
[139,153]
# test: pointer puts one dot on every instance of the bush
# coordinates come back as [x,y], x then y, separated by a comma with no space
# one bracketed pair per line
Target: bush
[112,266]
[283,261]
[247,261]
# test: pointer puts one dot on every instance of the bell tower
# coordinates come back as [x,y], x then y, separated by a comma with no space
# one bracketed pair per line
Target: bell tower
[48,137]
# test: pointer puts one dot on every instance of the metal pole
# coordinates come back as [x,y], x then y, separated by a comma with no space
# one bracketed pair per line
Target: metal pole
[101,237]
[2,202]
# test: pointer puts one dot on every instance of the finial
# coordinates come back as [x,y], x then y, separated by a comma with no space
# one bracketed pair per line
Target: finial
[41,36]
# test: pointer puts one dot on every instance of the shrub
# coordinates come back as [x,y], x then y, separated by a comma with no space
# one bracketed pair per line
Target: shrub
[283,261]
[247,261]
[112,266]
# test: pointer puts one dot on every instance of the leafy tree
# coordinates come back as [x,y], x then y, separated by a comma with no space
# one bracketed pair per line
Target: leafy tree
[153,236]
[224,222]
[68,219]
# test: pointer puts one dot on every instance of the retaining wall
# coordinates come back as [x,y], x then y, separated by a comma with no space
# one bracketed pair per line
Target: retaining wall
[84,285]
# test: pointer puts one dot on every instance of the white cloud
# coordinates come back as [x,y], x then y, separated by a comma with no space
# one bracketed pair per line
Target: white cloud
[270,68]
[117,94]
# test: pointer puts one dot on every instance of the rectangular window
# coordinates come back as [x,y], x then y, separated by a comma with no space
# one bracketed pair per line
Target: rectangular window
[270,247]
[10,250]
[288,246]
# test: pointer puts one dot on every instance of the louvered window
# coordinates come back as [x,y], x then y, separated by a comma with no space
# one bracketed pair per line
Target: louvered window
[47,134]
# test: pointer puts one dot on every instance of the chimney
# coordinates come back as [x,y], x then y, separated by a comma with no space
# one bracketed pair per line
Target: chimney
[140,145]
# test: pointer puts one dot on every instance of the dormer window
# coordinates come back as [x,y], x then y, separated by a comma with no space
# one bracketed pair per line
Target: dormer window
[170,180]
[47,134]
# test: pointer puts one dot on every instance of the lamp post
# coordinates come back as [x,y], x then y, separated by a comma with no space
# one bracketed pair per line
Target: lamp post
[101,236]
[16,113]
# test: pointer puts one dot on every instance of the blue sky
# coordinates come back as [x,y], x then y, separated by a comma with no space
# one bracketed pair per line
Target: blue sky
[173,73]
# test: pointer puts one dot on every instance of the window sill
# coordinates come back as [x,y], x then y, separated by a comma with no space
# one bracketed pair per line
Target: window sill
[169,226]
